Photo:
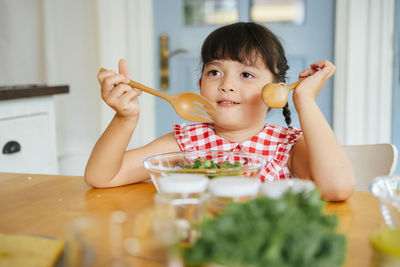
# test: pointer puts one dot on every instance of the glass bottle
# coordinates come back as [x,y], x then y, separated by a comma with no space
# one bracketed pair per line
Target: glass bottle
[182,197]
[228,189]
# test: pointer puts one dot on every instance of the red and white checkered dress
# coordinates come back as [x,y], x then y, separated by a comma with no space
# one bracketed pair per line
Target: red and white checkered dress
[273,142]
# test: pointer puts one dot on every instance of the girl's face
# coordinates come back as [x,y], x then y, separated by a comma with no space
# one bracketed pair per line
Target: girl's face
[235,91]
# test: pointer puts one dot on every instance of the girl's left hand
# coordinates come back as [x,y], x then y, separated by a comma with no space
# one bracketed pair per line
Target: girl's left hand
[315,78]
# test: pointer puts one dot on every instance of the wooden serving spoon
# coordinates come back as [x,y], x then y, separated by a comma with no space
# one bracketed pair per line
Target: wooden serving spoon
[276,95]
[188,105]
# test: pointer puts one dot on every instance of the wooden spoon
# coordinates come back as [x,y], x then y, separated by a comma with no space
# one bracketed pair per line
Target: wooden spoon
[188,105]
[276,95]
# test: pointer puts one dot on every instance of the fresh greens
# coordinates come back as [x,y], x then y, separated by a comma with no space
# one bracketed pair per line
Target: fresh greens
[289,231]
[210,164]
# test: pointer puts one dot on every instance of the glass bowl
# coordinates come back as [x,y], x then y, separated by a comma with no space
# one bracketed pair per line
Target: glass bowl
[387,190]
[174,163]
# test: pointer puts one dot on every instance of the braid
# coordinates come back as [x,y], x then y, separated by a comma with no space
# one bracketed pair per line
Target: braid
[286,114]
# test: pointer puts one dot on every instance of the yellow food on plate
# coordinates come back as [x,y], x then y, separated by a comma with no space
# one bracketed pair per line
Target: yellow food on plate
[27,251]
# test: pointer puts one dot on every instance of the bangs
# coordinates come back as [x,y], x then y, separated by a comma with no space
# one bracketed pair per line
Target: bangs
[247,43]
[235,43]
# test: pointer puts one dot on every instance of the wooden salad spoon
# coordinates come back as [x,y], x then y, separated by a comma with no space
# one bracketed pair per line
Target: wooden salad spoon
[276,95]
[188,105]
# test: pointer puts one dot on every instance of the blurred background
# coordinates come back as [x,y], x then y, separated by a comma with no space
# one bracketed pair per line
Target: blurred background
[59,42]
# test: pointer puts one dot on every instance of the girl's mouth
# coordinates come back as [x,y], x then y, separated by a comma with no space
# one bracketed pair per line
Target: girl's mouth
[227,103]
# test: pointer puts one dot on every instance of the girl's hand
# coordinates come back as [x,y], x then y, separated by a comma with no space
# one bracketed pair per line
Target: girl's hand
[116,92]
[315,78]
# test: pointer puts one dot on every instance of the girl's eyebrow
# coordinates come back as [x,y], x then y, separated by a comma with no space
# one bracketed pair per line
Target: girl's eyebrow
[218,63]
[214,62]
[253,66]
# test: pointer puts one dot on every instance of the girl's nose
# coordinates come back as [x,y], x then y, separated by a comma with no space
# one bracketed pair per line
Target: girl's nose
[227,86]
[225,90]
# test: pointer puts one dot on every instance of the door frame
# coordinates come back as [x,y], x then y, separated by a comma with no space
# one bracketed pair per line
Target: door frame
[366,125]
[363,86]
[125,30]
[396,82]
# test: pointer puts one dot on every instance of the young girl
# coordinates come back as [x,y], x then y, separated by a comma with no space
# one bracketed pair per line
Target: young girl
[238,61]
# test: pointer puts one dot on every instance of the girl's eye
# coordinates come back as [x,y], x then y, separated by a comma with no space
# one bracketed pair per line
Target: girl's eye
[247,75]
[214,73]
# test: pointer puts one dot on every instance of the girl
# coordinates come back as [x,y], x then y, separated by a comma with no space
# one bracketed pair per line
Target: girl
[238,60]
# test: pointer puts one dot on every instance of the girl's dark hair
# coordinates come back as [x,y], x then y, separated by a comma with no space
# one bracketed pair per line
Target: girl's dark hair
[246,42]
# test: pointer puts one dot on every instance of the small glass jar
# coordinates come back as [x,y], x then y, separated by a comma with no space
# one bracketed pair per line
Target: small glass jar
[182,197]
[231,189]
[386,247]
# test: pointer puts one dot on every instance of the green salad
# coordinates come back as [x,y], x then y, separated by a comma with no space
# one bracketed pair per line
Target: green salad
[289,231]
[210,164]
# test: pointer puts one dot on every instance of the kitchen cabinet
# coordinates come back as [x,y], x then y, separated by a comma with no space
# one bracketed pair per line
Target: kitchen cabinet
[28,129]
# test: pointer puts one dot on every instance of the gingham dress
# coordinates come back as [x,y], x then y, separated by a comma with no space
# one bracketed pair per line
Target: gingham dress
[273,142]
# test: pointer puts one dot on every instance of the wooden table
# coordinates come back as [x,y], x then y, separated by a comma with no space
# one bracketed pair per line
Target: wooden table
[46,204]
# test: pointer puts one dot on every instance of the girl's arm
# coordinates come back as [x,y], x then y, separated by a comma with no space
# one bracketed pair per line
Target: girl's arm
[318,155]
[125,167]
[109,164]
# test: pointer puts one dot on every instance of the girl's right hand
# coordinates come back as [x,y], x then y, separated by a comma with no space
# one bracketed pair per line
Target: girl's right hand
[116,92]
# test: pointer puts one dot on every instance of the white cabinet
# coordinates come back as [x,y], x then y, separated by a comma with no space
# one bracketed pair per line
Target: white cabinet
[27,135]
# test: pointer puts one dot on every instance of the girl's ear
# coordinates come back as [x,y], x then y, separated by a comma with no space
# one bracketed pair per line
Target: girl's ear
[200,83]
[283,84]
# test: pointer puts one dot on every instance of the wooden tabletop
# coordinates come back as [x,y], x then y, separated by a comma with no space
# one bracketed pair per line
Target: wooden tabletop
[45,204]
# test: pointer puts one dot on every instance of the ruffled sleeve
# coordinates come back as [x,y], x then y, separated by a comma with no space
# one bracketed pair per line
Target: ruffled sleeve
[182,137]
[284,139]
[194,136]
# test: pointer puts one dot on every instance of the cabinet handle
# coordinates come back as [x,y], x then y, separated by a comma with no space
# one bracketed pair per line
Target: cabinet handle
[11,147]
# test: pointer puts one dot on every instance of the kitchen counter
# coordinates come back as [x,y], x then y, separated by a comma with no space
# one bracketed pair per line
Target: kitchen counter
[28,141]
[30,90]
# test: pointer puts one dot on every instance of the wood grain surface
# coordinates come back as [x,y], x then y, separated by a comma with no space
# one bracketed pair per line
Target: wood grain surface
[45,204]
